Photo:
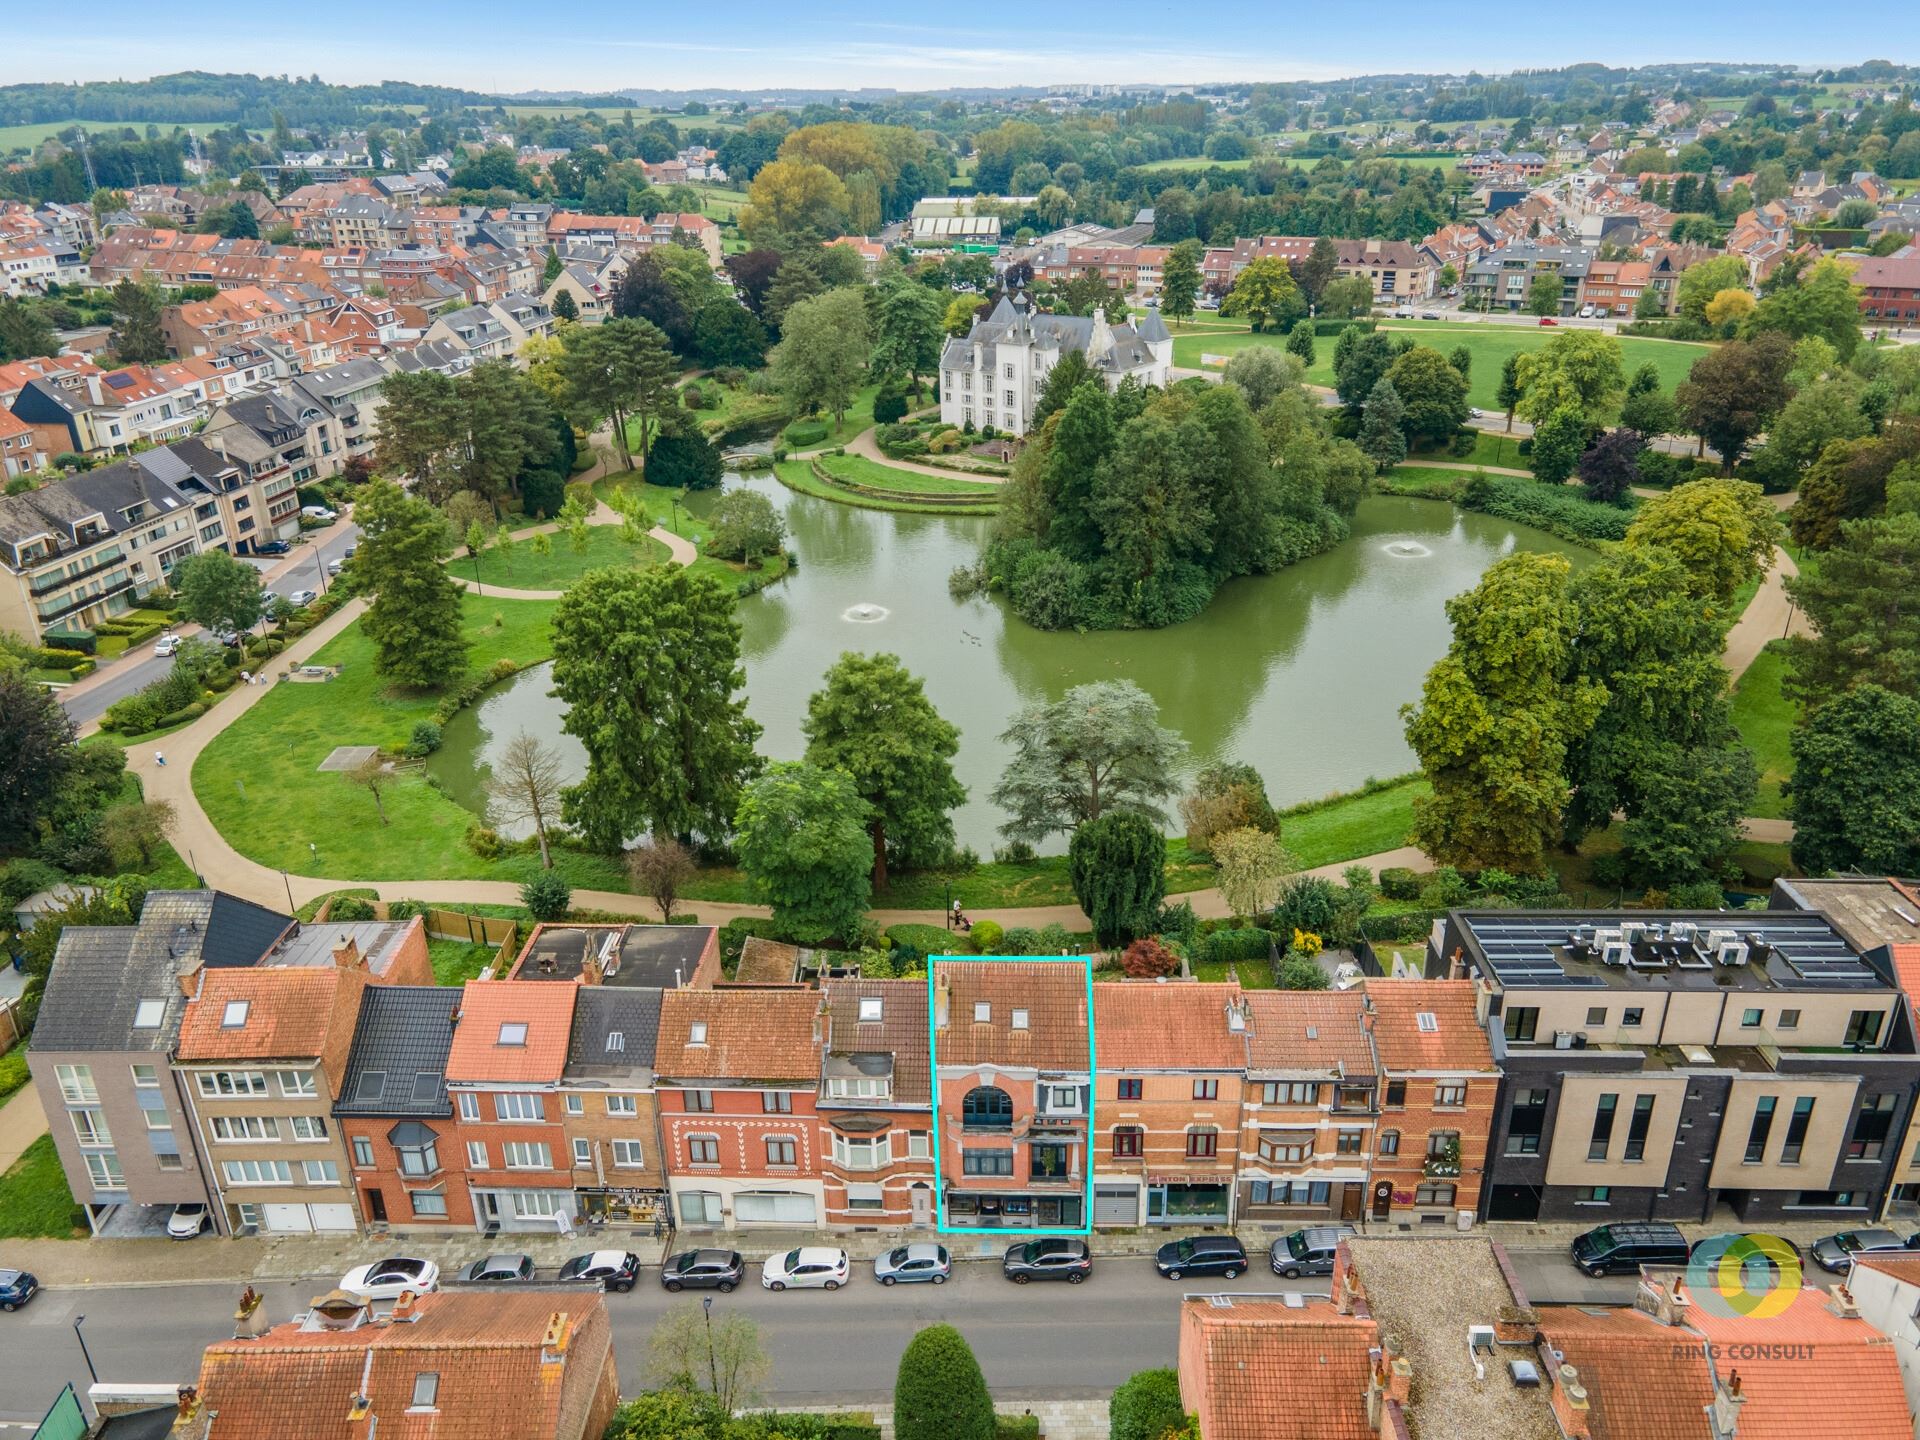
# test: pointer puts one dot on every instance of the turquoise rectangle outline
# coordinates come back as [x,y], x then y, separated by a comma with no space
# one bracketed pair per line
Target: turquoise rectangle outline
[1084,1231]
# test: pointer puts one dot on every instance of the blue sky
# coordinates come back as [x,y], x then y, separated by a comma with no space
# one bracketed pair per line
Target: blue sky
[598,44]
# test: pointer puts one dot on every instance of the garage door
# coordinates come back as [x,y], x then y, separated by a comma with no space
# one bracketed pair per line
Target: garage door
[286,1219]
[333,1217]
[1116,1205]
[771,1208]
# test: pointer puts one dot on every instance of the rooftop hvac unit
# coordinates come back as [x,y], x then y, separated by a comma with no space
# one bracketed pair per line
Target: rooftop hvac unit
[1683,930]
[1563,1039]
[1607,935]
[1614,952]
[1656,931]
[1717,938]
[1580,935]
[1632,931]
[1731,952]
[1756,944]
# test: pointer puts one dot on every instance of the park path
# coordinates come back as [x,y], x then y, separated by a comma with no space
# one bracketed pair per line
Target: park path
[1457,465]
[22,1121]
[1771,615]
[867,448]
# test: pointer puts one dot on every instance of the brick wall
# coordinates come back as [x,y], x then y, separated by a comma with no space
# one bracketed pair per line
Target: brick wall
[384,1174]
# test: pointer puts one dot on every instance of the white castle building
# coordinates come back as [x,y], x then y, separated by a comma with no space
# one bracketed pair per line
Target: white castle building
[993,376]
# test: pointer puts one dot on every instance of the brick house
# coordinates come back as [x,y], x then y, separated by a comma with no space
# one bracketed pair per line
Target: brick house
[875,1104]
[1310,1117]
[395,1116]
[1013,1062]
[1167,1103]
[1614,287]
[1890,288]
[738,1072]
[1440,1089]
[504,1070]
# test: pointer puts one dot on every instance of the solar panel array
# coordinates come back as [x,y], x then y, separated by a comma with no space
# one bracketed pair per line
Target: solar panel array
[1521,950]
[1524,950]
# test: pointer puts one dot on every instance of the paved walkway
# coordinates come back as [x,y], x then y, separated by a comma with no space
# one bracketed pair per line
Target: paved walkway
[1769,616]
[22,1122]
[1463,465]
[865,446]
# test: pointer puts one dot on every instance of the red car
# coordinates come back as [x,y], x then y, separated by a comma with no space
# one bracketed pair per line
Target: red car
[1548,320]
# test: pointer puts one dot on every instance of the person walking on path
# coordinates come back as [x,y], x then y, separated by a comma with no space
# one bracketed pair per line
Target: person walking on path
[159,759]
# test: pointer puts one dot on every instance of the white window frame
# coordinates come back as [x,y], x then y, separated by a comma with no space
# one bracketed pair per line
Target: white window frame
[298,1084]
[76,1084]
[582,1152]
[90,1126]
[919,1145]
[232,1084]
[145,1077]
[321,1172]
[362,1152]
[469,1105]
[103,1170]
[244,1129]
[575,1104]
[526,1155]
[537,1204]
[257,1172]
[157,1119]
[511,1107]
[629,1155]
[477,1155]
[873,1152]
[859,1087]
[623,1106]
[315,1125]
[437,1195]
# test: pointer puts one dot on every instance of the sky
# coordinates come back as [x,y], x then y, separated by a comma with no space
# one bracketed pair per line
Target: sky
[598,45]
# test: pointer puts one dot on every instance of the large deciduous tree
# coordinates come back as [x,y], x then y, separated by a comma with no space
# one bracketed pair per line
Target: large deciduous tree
[822,355]
[1577,369]
[36,752]
[136,337]
[413,618]
[1264,294]
[1610,466]
[803,841]
[648,664]
[524,787]
[1721,531]
[218,592]
[1855,799]
[1180,281]
[1732,392]
[1118,865]
[907,335]
[1100,748]
[873,722]
[1433,393]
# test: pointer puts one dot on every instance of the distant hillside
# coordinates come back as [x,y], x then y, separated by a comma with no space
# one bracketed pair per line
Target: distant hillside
[198,97]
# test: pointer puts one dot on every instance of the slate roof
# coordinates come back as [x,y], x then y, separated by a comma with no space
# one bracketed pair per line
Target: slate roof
[101,973]
[1011,324]
[1053,993]
[615,1030]
[1176,1026]
[1265,1371]
[107,493]
[404,1034]
[901,1031]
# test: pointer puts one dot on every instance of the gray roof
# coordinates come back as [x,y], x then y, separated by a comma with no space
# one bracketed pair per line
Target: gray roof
[107,493]
[1018,324]
[614,1031]
[101,973]
[331,382]
[399,1058]
[1152,329]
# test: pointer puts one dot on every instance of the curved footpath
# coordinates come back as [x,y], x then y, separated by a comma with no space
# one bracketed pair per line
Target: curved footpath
[866,448]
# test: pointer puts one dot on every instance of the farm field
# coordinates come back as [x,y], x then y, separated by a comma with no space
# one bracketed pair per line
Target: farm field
[27,137]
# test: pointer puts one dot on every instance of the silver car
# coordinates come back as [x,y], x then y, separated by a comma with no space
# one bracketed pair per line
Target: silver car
[913,1264]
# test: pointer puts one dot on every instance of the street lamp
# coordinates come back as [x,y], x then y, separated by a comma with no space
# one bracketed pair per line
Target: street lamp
[78,1321]
[713,1365]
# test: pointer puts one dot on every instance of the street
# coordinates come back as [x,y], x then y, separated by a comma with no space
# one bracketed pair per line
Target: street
[137,669]
[1053,1340]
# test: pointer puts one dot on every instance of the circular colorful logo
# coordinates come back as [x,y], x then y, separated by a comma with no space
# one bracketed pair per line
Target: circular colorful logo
[1755,1276]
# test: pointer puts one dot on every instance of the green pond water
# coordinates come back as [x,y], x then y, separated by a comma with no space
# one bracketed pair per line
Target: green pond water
[1300,674]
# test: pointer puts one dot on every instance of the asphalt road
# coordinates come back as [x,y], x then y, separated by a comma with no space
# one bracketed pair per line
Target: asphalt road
[1043,1340]
[135,671]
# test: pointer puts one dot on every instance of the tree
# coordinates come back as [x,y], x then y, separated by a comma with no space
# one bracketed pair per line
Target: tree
[1821,300]
[1261,372]
[1610,468]
[1855,799]
[36,754]
[1180,281]
[792,197]
[1820,412]
[1383,431]
[961,312]
[373,775]
[524,787]
[218,592]
[1346,296]
[1360,359]
[1300,342]
[1251,863]
[745,527]
[647,292]
[1147,1407]
[1265,294]
[1577,369]
[548,896]
[1732,392]
[24,333]
[821,358]
[414,616]
[1495,717]
[691,1351]
[685,460]
[939,1392]
[1543,293]
[1647,408]
[907,334]
[136,337]
[565,308]
[620,370]
[1507,397]
[1699,283]
[134,832]
[1097,749]
[658,869]
[1730,307]
[1066,375]
[1850,481]
[803,841]
[1864,607]
[1434,393]
[648,663]
[1721,531]
[726,333]
[872,721]
[1118,867]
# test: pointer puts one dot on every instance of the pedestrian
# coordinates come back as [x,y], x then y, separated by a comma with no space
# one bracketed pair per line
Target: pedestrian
[159,760]
[246,677]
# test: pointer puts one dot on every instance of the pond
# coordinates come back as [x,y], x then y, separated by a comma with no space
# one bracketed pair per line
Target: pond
[1300,674]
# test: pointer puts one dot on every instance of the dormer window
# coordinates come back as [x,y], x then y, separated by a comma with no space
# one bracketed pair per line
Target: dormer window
[235,1014]
[513,1032]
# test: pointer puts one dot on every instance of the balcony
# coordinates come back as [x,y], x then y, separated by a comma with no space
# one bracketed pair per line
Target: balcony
[1440,1167]
[125,582]
[47,584]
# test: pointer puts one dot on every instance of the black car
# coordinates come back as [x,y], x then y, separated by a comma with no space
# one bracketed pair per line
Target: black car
[1201,1255]
[499,1269]
[1048,1259]
[16,1288]
[1623,1249]
[1310,1251]
[703,1270]
[609,1269]
[272,547]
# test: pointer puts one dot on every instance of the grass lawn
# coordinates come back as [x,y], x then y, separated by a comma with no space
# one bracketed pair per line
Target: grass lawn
[859,417]
[798,475]
[858,470]
[13,1070]
[14,137]
[1490,448]
[1489,344]
[721,203]
[1198,162]
[1362,824]
[1765,719]
[665,509]
[34,1200]
[527,570]
[456,961]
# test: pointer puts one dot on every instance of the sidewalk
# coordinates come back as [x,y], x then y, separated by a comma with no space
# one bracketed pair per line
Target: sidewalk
[22,1122]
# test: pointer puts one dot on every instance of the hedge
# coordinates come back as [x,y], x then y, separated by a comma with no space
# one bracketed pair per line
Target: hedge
[1016,1427]
[806,432]
[62,659]
[1235,947]
[1559,510]
[1334,327]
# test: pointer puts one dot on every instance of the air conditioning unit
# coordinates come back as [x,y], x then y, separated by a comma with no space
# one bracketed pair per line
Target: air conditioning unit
[1632,932]
[1563,1039]
[1717,938]
[1683,930]
[1607,936]
[1731,952]
[1614,952]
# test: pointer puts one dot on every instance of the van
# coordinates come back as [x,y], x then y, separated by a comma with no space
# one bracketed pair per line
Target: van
[319,512]
[1623,1249]
[1201,1255]
[1309,1251]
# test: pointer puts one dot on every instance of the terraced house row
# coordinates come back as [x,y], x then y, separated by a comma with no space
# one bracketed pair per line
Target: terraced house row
[1561,1066]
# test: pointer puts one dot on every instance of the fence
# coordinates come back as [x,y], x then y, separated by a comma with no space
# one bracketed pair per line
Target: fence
[11,1032]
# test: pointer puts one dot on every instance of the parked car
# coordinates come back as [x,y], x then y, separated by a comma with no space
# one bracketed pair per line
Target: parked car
[1548,320]
[299,599]
[166,644]
[334,567]
[703,1270]
[1403,314]
[1835,1252]
[1048,1259]
[616,1270]
[913,1264]
[1309,1251]
[1586,312]
[319,512]
[1201,1255]
[272,547]
[1623,1249]
[1474,412]
[389,1279]
[16,1288]
[188,1220]
[499,1269]
[811,1267]
[1429,314]
[229,638]
[1755,1257]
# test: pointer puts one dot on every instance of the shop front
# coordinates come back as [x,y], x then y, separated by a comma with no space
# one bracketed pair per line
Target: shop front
[612,1205]
[973,1210]
[1189,1200]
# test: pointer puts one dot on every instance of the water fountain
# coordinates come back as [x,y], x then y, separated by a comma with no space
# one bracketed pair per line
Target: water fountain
[1407,550]
[865,613]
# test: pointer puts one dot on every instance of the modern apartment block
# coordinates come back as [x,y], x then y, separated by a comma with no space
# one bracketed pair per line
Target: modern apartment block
[1663,1064]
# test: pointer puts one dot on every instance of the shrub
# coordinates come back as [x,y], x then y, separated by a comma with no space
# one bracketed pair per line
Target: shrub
[889,405]
[1147,959]
[802,433]
[1399,883]
[23,877]
[483,841]
[547,896]
[1297,972]
[1463,442]
[60,659]
[987,935]
[1020,940]
[939,1392]
[424,740]
[1559,511]
[1146,1407]
[182,715]
[1016,1427]
[350,907]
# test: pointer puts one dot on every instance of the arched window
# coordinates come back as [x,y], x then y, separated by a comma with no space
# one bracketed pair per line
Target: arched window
[987,1107]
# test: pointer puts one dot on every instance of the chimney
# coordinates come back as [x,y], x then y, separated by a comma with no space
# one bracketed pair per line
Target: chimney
[1399,1379]
[250,1319]
[1724,1413]
[942,996]
[592,972]
[187,1403]
[1841,1302]
[1660,1297]
[553,1345]
[346,953]
[1457,964]
[1571,1406]
[1345,1287]
[406,1310]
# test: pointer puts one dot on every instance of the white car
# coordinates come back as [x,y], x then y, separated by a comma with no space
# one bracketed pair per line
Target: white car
[1586,312]
[301,598]
[166,644]
[811,1267]
[1474,412]
[319,512]
[389,1279]
[187,1221]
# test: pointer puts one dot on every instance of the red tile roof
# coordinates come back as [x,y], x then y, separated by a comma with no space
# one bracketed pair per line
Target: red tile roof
[749,1035]
[1141,1025]
[1308,1031]
[289,1012]
[1053,993]
[1903,1267]
[545,1009]
[1906,972]
[1455,1043]
[1261,1371]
